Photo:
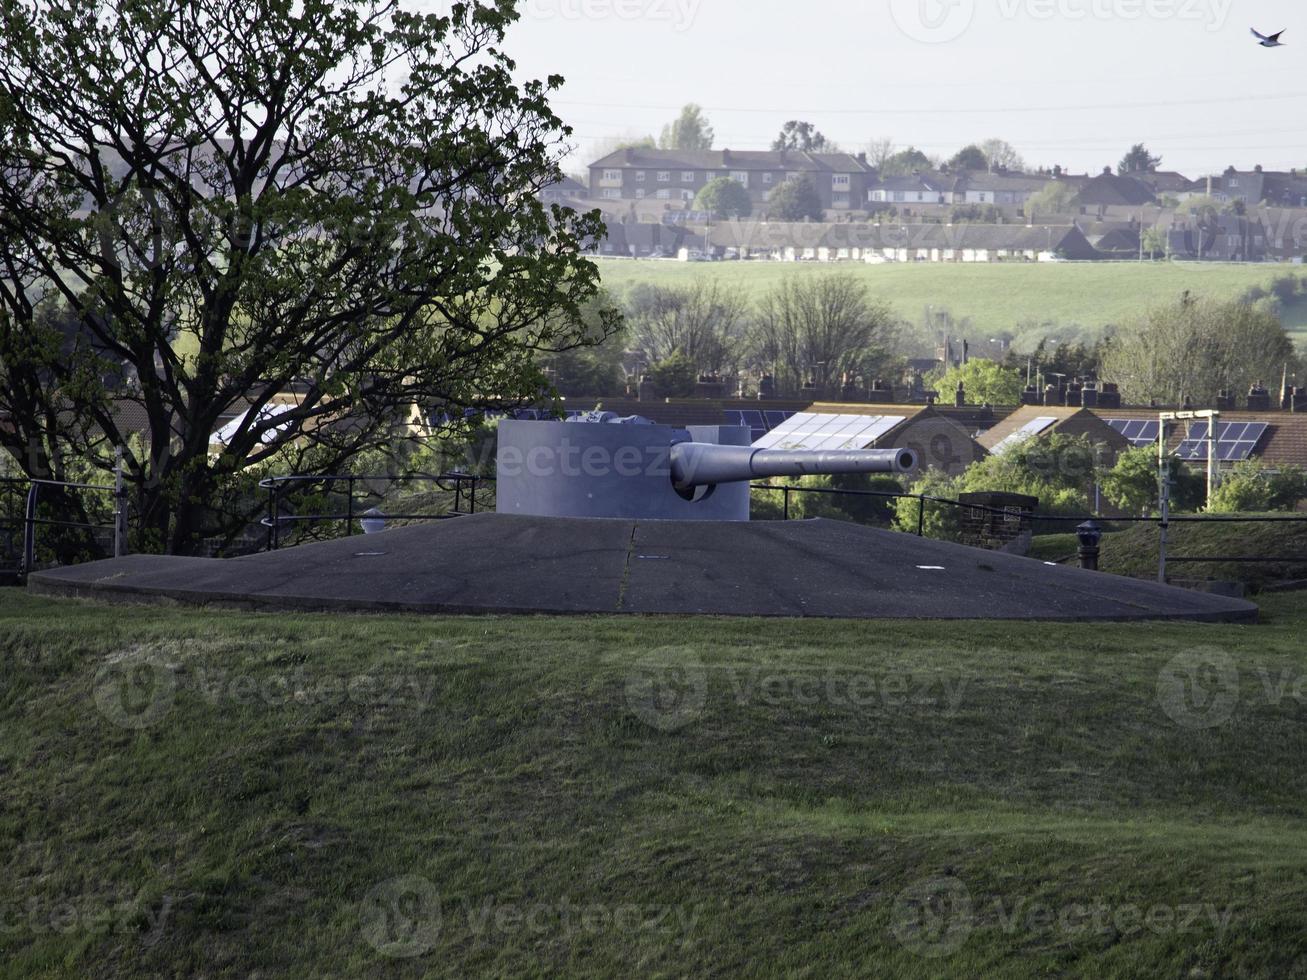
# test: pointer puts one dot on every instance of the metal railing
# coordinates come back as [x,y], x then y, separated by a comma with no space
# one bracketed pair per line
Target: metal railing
[1163,524]
[463,486]
[31,520]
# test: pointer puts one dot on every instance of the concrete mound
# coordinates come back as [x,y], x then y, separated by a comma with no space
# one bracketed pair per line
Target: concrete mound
[500,563]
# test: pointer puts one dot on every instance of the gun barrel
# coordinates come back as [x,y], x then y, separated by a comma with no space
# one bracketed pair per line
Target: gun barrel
[697,464]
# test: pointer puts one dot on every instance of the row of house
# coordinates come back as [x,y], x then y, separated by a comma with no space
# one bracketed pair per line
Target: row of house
[848,182]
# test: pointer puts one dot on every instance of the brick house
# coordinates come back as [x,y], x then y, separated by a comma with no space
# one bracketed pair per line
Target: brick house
[635,174]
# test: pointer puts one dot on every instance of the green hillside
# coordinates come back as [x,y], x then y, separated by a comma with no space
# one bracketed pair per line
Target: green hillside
[995,297]
[227,794]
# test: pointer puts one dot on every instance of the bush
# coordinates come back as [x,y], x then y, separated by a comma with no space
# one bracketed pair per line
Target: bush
[1132,484]
[769,505]
[1252,487]
[1059,470]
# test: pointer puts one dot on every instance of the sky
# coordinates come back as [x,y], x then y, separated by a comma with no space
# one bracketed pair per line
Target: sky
[1069,82]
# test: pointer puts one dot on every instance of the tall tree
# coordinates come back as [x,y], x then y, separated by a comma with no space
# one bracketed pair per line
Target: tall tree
[1002,155]
[314,216]
[1056,197]
[795,200]
[904,162]
[821,329]
[804,136]
[969,158]
[724,198]
[1194,348]
[704,322]
[1137,161]
[879,150]
[689,131]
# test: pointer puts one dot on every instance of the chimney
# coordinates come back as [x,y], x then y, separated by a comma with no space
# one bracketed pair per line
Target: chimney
[862,159]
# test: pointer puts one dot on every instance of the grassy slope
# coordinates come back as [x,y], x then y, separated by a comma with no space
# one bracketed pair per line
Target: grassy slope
[995,297]
[1133,551]
[789,823]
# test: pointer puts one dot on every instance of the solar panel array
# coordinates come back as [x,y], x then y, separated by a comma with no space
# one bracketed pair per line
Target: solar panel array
[1235,441]
[818,431]
[1024,434]
[759,421]
[1140,432]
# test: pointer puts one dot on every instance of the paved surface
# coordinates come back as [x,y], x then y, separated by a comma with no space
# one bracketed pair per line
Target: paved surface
[499,563]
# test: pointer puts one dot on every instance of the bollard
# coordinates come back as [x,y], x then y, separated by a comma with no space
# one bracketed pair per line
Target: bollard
[1090,534]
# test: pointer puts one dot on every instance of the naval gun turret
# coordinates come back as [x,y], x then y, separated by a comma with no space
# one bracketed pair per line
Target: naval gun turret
[600,465]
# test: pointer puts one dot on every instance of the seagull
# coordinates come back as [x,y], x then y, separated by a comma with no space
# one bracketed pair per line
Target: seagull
[1273,41]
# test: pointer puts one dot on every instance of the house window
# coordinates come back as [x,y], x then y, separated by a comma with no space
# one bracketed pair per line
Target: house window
[766,178]
[793,175]
[611,193]
[687,195]
[612,175]
[1234,181]
[840,180]
[687,176]
[639,193]
[664,176]
[740,176]
[664,194]
[639,176]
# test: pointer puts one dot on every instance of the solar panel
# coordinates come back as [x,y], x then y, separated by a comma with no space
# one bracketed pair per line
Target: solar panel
[1140,432]
[821,431]
[1235,441]
[1024,434]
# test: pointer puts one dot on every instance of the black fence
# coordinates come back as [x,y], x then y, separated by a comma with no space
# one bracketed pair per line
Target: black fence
[307,508]
[49,522]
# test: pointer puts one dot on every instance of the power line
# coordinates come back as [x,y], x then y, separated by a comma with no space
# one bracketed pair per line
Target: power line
[1234,99]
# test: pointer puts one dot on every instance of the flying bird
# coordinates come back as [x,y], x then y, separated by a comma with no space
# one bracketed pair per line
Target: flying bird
[1271,41]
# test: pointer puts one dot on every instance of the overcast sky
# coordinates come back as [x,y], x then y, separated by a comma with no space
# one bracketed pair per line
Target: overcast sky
[1074,82]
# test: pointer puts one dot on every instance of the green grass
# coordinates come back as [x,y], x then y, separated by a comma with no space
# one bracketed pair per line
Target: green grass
[995,297]
[1133,551]
[520,803]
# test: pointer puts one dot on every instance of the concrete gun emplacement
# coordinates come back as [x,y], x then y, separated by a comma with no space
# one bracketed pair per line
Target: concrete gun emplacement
[591,467]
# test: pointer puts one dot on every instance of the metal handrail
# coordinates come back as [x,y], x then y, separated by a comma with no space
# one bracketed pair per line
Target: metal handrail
[31,521]
[273,484]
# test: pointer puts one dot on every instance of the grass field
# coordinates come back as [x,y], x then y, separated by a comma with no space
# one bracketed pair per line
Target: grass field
[995,297]
[230,794]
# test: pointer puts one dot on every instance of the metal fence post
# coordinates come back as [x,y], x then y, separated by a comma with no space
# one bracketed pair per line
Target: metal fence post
[921,516]
[786,492]
[1164,493]
[349,507]
[271,517]
[472,503]
[29,531]
[119,506]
